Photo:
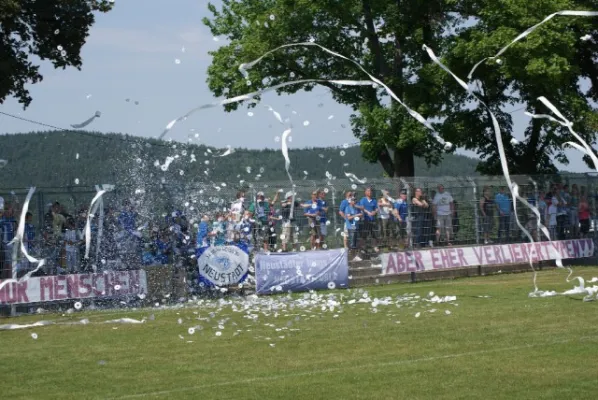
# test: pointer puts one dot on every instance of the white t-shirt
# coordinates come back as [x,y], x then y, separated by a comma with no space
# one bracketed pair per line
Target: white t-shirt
[71,235]
[443,201]
[384,211]
[237,208]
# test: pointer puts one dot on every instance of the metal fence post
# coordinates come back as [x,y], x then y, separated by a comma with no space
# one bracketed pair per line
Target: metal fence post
[475,209]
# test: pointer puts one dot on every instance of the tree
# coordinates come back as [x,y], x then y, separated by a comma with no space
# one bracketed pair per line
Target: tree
[384,36]
[52,30]
[550,62]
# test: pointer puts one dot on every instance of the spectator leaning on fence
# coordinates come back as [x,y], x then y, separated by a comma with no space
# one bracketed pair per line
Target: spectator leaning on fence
[385,207]
[503,207]
[487,212]
[288,220]
[401,214]
[419,208]
[341,212]
[323,217]
[443,211]
[369,208]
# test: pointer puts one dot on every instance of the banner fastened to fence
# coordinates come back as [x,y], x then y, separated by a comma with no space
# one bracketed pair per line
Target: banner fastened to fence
[222,265]
[75,286]
[506,254]
[297,272]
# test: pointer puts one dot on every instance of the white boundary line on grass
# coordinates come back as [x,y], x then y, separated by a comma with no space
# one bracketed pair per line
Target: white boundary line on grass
[348,367]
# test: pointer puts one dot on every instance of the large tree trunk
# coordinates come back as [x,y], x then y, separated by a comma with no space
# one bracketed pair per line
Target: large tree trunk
[404,163]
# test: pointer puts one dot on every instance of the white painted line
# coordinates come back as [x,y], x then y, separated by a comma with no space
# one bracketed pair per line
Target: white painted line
[348,367]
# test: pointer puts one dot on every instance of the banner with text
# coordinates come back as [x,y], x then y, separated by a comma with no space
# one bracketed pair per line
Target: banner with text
[309,270]
[80,286]
[459,257]
[222,265]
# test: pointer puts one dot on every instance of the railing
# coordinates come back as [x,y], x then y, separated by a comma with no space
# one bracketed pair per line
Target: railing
[165,228]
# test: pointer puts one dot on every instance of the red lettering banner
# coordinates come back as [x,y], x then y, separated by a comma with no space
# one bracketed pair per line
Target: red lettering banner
[83,286]
[459,257]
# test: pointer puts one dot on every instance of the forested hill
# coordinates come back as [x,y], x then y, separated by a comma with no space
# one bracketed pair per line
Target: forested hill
[58,159]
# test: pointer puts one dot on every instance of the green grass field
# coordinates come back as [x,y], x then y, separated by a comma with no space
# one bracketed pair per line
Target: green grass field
[503,346]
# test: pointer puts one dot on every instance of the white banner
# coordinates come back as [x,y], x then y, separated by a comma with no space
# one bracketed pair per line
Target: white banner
[81,286]
[461,257]
[223,265]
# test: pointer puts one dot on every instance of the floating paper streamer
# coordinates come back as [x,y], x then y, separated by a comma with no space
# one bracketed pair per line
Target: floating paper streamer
[92,209]
[250,96]
[353,178]
[125,321]
[505,168]
[586,149]
[229,150]
[18,240]
[530,30]
[87,121]
[10,327]
[243,68]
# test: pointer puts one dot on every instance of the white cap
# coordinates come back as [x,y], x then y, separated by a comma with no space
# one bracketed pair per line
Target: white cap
[260,194]
[289,194]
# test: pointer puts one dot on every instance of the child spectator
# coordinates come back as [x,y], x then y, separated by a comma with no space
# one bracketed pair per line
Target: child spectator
[203,232]
[551,217]
[400,215]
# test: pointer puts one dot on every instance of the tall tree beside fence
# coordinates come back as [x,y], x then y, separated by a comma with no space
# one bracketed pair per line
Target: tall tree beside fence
[384,36]
[553,61]
[53,30]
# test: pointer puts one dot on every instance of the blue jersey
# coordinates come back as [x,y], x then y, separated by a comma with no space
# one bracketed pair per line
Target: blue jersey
[368,205]
[322,204]
[7,228]
[402,208]
[504,203]
[343,205]
[313,208]
[351,224]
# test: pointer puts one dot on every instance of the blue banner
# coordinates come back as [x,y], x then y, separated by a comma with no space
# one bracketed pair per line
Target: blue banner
[297,272]
[222,265]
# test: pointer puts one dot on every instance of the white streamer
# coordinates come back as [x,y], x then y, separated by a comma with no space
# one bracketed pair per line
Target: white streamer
[586,149]
[87,121]
[229,151]
[250,96]
[352,178]
[91,212]
[18,240]
[513,187]
[530,30]
[244,67]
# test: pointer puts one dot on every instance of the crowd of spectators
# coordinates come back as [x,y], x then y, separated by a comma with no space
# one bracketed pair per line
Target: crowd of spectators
[414,218]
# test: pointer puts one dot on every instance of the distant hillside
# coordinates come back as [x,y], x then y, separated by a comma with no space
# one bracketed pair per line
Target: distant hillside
[58,159]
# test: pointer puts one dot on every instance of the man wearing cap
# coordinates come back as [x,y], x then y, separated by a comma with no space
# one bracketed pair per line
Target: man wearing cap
[288,219]
[312,212]
[443,210]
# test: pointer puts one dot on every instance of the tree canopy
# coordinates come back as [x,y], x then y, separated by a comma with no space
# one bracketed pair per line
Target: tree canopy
[556,61]
[53,30]
[386,38]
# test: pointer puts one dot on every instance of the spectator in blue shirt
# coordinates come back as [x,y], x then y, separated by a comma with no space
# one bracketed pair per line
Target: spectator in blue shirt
[323,218]
[400,216]
[312,212]
[341,212]
[503,206]
[352,216]
[369,207]
[8,227]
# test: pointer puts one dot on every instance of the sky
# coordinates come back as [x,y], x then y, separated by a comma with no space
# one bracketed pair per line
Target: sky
[131,54]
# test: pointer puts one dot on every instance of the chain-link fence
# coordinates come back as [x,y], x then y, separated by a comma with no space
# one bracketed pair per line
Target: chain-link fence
[163,225]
